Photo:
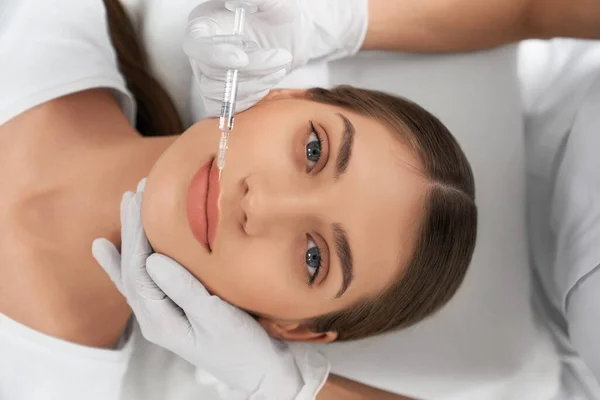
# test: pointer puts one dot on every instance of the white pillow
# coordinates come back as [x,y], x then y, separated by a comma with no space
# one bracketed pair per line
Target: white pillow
[486,343]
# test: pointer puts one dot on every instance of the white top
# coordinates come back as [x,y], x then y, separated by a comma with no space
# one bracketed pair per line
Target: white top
[564,209]
[52,48]
[561,89]
[36,366]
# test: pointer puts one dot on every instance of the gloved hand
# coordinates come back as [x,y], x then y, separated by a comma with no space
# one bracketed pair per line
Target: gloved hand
[289,33]
[176,312]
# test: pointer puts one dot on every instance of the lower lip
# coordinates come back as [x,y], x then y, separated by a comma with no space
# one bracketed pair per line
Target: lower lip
[202,210]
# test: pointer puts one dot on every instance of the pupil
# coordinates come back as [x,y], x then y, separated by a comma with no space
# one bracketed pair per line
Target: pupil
[313,257]
[313,151]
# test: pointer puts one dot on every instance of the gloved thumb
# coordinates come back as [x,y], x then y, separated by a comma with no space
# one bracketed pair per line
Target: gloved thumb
[276,11]
[175,281]
[109,259]
[218,57]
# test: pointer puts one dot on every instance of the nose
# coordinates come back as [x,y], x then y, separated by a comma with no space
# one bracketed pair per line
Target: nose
[270,206]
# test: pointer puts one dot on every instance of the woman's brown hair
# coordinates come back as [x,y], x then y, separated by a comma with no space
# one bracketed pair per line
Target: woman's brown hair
[449,226]
[156,114]
[448,229]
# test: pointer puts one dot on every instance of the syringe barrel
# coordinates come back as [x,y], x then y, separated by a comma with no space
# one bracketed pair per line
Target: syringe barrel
[228,105]
[238,24]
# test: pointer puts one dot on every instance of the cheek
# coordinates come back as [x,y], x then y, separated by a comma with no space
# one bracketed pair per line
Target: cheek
[259,145]
[162,224]
[260,278]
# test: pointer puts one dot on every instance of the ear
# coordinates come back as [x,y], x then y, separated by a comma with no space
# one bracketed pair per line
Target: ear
[283,94]
[295,331]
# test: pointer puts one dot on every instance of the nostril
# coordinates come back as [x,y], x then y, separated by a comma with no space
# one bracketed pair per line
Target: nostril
[245,189]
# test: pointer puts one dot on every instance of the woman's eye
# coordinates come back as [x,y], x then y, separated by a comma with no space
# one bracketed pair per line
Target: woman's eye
[313,148]
[313,260]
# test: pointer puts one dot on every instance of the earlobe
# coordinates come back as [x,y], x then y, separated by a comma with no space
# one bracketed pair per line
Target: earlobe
[295,331]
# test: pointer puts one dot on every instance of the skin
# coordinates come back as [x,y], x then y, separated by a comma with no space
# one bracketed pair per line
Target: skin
[466,25]
[271,208]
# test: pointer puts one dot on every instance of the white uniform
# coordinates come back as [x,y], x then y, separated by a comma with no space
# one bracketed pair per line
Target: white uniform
[561,92]
[487,344]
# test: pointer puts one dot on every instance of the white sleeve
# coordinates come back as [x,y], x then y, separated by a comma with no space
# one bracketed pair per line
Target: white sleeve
[575,212]
[52,48]
[555,76]
[582,316]
[576,222]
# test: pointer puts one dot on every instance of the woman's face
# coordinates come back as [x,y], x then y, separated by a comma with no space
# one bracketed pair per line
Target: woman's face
[318,208]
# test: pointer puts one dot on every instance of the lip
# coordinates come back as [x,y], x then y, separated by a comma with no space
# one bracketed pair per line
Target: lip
[202,204]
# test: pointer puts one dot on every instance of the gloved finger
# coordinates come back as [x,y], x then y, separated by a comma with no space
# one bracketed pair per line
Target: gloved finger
[141,187]
[135,250]
[245,103]
[209,8]
[133,217]
[161,318]
[267,61]
[258,64]
[248,87]
[212,105]
[109,259]
[176,281]
[125,199]
[218,57]
[279,11]
[210,312]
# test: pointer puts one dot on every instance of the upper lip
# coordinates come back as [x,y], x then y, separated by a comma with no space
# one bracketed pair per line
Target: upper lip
[208,188]
[212,207]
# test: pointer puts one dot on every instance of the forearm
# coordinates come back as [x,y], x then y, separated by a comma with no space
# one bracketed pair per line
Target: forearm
[464,25]
[338,388]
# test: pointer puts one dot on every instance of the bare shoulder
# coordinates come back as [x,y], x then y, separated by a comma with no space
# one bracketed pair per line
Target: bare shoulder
[48,278]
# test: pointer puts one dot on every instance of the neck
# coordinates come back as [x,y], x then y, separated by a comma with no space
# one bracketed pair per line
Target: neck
[119,169]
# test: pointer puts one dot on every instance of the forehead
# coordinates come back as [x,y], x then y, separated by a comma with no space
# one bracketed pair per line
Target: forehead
[383,214]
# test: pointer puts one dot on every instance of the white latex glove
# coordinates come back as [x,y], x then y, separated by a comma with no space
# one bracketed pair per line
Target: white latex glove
[289,33]
[174,311]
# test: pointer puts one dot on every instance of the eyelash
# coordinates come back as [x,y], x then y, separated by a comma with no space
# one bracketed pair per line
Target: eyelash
[313,131]
[313,277]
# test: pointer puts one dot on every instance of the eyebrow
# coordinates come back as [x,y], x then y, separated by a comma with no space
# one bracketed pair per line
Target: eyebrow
[342,249]
[345,150]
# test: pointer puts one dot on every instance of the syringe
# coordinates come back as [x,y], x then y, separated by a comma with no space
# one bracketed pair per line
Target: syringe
[231,86]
